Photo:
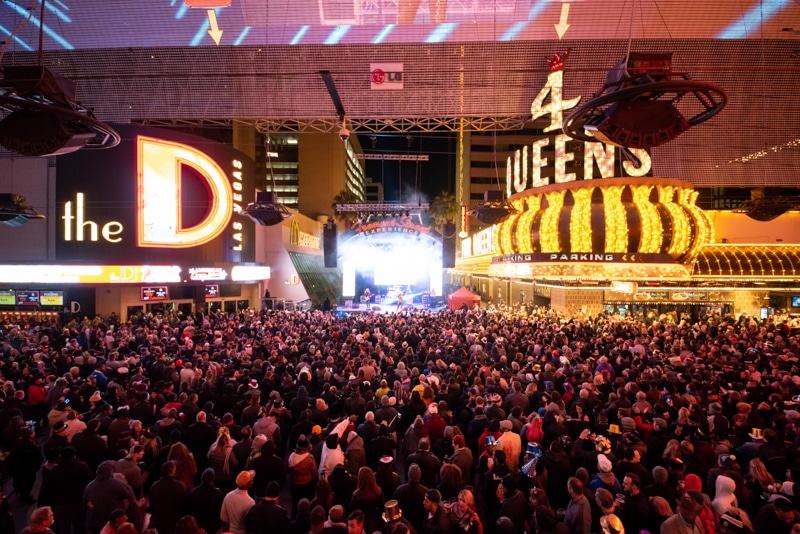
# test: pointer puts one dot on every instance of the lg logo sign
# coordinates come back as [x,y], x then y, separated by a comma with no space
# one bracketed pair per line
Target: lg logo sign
[158,206]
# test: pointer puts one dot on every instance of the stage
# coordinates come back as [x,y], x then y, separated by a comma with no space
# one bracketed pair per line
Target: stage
[389,307]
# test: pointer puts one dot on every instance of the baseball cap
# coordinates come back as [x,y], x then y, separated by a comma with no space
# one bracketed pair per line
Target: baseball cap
[244,478]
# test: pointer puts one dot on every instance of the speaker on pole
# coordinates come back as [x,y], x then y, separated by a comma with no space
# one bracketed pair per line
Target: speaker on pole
[330,237]
[448,245]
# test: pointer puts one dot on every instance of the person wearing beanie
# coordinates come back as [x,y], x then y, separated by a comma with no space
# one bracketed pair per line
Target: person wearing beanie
[605,476]
[237,503]
[268,468]
[437,521]
[356,456]
[204,502]
[692,484]
[267,515]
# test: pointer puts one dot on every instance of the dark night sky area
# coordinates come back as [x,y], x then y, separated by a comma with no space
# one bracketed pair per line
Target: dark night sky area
[433,176]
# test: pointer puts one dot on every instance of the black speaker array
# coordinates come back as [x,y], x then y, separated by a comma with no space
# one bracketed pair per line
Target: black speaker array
[330,238]
[448,245]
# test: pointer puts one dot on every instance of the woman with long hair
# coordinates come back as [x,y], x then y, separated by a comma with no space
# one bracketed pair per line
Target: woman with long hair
[368,498]
[223,461]
[451,482]
[188,525]
[671,451]
[661,511]
[757,481]
[464,516]
[323,496]
[186,468]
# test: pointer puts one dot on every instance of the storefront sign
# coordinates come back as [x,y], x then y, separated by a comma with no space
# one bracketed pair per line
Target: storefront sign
[583,257]
[207,273]
[385,76]
[89,274]
[302,239]
[393,224]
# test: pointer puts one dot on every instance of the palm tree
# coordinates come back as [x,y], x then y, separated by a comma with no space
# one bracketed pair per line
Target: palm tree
[345,218]
[445,207]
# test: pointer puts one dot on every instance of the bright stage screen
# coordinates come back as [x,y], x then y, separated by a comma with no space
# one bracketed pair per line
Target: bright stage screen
[400,271]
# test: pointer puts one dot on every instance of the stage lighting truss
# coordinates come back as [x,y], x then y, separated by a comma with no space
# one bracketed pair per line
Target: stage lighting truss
[34,100]
[641,79]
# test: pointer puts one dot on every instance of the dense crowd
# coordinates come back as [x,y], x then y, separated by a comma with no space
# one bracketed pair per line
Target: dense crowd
[454,422]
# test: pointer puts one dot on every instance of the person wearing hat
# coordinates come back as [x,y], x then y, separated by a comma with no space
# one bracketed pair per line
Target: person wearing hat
[237,503]
[393,516]
[437,521]
[687,518]
[205,501]
[58,439]
[167,499]
[735,522]
[513,503]
[410,497]
[267,515]
[605,477]
[303,472]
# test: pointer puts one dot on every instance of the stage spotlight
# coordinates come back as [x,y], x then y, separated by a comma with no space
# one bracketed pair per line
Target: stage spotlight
[493,209]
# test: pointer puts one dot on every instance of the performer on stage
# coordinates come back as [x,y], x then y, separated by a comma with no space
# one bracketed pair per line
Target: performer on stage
[367,295]
[399,301]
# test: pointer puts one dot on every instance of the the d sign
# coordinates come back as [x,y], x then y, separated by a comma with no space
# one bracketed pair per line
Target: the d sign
[158,214]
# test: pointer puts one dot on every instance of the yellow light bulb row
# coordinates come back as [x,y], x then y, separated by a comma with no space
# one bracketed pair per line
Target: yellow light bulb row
[580,222]
[524,234]
[496,238]
[652,231]
[681,230]
[616,220]
[507,228]
[705,230]
[548,229]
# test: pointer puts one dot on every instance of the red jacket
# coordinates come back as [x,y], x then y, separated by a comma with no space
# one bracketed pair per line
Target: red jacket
[36,395]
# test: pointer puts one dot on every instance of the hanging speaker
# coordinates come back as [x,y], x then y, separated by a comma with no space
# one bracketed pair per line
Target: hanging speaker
[448,245]
[330,237]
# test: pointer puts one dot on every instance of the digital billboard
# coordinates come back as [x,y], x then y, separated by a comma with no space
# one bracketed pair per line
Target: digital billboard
[155,293]
[7,297]
[212,291]
[158,197]
[52,298]
[27,297]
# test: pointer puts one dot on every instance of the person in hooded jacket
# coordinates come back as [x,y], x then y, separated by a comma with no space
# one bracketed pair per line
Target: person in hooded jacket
[103,495]
[724,499]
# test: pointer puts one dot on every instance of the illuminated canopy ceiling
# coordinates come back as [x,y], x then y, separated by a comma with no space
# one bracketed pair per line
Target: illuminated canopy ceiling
[482,61]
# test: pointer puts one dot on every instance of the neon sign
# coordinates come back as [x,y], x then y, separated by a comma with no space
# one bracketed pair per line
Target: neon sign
[159,192]
[393,224]
[524,168]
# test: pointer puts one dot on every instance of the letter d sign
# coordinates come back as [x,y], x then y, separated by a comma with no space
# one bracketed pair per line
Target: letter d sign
[158,214]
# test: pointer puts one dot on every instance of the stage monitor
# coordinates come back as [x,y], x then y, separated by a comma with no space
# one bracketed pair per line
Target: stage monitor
[52,298]
[27,297]
[154,293]
[212,291]
[796,301]
[7,297]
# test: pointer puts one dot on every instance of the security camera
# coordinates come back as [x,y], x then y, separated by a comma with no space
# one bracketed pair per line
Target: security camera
[344,134]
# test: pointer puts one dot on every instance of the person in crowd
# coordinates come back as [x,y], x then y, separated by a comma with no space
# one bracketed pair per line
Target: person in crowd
[666,398]
[237,503]
[267,516]
[437,521]
[167,499]
[42,519]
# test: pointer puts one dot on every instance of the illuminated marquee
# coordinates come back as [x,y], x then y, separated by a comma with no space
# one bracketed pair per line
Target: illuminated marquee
[159,193]
[207,273]
[524,168]
[394,224]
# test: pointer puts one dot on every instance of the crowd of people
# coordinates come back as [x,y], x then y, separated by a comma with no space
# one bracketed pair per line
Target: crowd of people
[419,422]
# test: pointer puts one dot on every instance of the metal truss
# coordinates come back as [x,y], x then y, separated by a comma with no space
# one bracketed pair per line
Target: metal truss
[382,208]
[418,124]
[394,157]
